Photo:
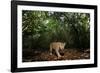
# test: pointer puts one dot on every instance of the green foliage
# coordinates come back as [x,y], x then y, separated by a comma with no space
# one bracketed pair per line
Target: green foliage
[39,28]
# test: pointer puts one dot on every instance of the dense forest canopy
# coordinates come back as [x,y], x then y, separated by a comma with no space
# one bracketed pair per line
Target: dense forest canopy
[40,28]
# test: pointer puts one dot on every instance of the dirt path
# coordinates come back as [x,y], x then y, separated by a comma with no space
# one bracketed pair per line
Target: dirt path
[67,54]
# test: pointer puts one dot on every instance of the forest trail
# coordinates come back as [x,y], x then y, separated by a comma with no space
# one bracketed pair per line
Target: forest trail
[67,54]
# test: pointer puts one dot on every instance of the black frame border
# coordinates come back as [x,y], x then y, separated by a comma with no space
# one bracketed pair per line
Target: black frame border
[14,5]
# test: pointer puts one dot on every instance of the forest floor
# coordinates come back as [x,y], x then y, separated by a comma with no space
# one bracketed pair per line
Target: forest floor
[67,54]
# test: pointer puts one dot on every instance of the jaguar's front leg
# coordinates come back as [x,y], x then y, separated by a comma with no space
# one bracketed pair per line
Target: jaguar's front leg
[57,52]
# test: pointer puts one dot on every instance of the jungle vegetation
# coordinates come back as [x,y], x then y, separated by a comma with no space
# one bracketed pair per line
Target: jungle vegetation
[40,28]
